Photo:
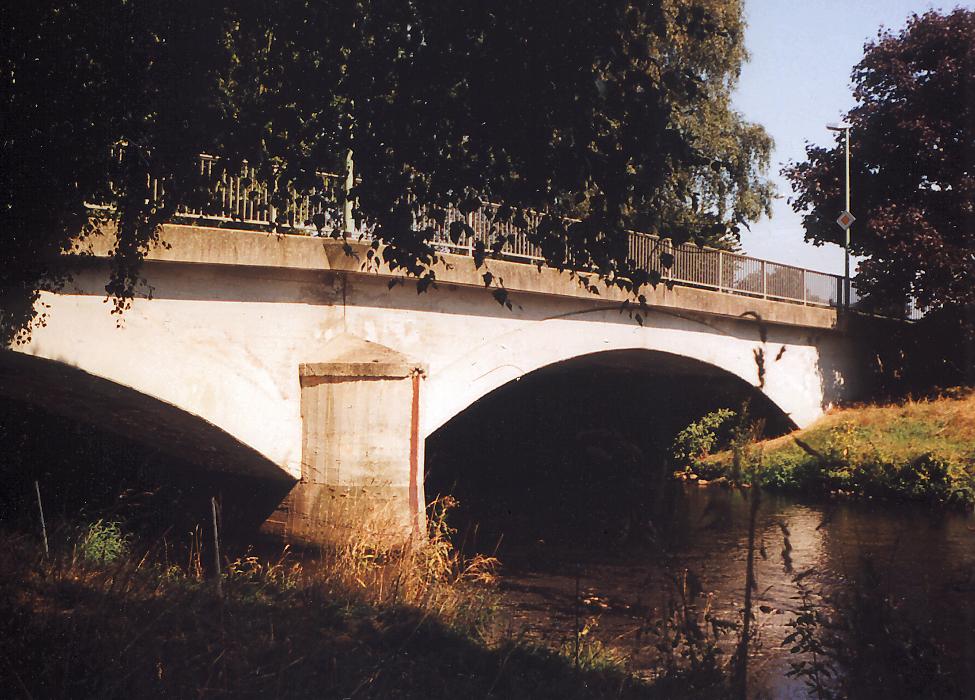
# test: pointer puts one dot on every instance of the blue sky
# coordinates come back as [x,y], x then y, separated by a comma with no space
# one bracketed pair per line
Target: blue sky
[798,80]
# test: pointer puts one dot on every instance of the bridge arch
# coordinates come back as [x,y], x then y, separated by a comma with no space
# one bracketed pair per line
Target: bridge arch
[777,361]
[578,450]
[65,390]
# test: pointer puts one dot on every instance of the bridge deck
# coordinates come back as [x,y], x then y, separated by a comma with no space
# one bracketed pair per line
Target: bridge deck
[225,246]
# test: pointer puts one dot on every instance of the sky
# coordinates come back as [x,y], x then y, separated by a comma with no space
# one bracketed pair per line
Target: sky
[797,81]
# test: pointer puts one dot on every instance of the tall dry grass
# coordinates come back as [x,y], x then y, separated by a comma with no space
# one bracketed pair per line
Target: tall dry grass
[362,618]
[430,573]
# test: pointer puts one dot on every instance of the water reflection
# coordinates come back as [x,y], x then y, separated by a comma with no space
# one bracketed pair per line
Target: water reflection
[927,559]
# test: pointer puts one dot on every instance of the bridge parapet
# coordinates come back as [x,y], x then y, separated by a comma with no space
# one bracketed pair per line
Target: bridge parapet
[244,201]
[202,245]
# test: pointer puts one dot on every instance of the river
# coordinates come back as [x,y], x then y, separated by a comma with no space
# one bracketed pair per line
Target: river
[922,557]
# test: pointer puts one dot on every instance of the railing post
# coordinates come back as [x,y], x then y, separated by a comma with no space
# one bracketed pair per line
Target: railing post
[347,221]
[470,236]
[803,278]
[764,281]
[720,269]
[673,258]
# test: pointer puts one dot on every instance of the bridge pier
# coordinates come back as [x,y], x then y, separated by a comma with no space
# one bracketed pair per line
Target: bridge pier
[362,453]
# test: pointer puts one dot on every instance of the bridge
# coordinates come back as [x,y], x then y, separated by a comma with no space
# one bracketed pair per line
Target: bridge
[285,358]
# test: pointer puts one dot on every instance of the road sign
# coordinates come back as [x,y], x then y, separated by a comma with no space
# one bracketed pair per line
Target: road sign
[846,220]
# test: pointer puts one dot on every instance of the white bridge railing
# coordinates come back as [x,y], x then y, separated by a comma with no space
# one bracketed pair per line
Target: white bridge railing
[244,200]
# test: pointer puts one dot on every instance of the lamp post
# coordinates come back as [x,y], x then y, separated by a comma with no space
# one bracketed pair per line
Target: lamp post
[845,128]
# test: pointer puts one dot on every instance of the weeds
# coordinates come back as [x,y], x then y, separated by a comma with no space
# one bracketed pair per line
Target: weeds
[812,661]
[429,574]
[102,542]
[99,619]
[690,639]
[588,653]
[284,574]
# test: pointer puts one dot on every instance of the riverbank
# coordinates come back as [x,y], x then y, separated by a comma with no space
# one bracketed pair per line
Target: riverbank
[920,450]
[104,616]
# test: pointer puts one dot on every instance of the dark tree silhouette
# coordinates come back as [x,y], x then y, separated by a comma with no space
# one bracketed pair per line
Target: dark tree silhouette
[617,113]
[913,166]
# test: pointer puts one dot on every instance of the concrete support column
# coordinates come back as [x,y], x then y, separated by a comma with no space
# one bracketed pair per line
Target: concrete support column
[362,453]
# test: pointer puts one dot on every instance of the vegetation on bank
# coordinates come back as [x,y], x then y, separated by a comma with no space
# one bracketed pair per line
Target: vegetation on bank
[102,617]
[106,615]
[921,450]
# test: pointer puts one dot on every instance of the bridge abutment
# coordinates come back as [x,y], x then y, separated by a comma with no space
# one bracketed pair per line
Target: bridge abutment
[362,454]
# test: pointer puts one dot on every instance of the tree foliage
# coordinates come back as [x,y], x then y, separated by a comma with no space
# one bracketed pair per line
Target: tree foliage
[615,113]
[912,166]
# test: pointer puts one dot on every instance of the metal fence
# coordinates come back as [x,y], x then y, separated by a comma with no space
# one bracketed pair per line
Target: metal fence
[692,265]
[244,200]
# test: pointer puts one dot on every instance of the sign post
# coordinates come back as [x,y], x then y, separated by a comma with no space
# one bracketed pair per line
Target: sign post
[846,218]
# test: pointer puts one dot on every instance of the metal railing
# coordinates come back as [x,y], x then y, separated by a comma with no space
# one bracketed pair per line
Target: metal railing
[693,265]
[244,200]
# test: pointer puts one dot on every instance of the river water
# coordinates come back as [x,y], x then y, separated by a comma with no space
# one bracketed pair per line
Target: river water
[922,557]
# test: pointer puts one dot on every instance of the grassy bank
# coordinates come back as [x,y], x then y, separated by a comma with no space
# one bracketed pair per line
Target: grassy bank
[105,616]
[915,450]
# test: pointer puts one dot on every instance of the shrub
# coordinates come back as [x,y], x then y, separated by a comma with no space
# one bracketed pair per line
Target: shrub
[790,473]
[702,437]
[925,478]
[962,485]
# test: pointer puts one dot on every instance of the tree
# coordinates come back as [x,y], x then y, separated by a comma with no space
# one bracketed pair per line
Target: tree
[74,84]
[616,113]
[912,167]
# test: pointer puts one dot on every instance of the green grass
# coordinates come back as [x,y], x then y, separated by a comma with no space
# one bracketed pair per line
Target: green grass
[916,450]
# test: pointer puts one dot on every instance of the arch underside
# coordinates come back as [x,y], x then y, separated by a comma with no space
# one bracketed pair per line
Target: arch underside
[679,372]
[65,390]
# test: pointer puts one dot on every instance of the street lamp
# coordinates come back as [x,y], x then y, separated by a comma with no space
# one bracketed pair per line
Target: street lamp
[846,218]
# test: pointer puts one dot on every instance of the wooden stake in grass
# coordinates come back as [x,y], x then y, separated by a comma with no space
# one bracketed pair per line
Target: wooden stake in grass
[40,508]
[575,607]
[216,547]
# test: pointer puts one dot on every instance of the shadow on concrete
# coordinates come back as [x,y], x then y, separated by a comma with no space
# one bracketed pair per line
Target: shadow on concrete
[76,394]
[223,283]
[66,419]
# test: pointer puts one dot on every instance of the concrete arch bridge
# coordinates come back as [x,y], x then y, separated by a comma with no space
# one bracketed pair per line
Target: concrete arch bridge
[280,356]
